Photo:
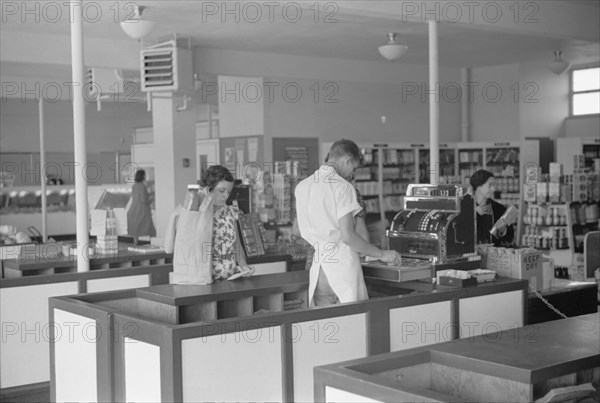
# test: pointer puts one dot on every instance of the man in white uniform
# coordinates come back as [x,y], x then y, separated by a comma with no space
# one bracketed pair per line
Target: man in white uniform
[326,205]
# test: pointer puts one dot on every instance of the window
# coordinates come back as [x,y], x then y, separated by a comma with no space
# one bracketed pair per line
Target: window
[585,91]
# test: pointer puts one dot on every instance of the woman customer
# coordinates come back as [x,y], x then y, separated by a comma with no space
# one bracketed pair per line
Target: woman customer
[489,211]
[139,216]
[227,254]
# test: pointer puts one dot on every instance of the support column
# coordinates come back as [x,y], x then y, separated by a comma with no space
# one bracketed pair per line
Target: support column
[43,170]
[434,106]
[465,105]
[174,140]
[81,203]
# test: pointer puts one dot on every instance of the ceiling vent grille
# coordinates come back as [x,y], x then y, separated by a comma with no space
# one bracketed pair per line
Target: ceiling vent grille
[166,69]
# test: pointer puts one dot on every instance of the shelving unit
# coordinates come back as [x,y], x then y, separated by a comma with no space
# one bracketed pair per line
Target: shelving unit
[547,227]
[566,148]
[583,221]
[447,161]
[382,181]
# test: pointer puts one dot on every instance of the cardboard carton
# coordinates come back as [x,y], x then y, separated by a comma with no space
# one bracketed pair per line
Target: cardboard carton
[542,192]
[555,172]
[515,263]
[578,161]
[529,192]
[554,192]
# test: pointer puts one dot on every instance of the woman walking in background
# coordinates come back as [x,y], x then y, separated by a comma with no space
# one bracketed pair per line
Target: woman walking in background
[139,216]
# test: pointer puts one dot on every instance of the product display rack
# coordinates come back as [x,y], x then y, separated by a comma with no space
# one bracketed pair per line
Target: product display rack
[584,219]
[566,148]
[382,181]
[447,172]
[559,240]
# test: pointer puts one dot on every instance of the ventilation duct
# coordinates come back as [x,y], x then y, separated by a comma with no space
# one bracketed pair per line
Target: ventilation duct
[166,67]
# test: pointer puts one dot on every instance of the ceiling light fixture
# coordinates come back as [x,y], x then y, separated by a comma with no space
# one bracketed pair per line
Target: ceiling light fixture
[558,65]
[137,27]
[392,50]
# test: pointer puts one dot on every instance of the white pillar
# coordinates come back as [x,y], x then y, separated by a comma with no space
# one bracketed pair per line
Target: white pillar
[174,140]
[434,106]
[43,170]
[465,106]
[81,203]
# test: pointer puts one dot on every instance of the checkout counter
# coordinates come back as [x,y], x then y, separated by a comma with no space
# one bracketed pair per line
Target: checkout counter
[166,342]
[252,339]
[256,339]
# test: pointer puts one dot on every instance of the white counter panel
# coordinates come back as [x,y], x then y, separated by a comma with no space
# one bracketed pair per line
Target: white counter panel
[75,358]
[420,325]
[506,309]
[251,360]
[142,371]
[321,342]
[24,356]
[341,396]
[118,283]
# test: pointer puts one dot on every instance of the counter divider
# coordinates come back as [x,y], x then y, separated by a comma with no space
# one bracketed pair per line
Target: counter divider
[170,322]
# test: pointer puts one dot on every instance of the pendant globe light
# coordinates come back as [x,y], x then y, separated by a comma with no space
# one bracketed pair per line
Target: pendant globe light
[137,27]
[558,65]
[392,50]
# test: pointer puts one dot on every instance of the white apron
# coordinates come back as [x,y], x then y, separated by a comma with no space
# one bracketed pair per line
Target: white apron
[343,270]
[321,200]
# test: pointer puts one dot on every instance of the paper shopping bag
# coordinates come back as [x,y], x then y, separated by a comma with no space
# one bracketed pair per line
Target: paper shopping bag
[192,247]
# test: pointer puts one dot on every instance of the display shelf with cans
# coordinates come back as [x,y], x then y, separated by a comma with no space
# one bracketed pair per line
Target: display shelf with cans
[560,209]
[447,171]
[547,226]
[390,167]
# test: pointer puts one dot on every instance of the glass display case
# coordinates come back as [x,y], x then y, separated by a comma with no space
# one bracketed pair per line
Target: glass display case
[21,206]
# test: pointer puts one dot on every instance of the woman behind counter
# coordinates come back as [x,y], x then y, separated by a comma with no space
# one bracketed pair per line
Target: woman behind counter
[139,216]
[489,211]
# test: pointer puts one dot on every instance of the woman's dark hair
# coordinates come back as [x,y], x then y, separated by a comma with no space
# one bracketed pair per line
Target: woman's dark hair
[479,178]
[215,174]
[140,175]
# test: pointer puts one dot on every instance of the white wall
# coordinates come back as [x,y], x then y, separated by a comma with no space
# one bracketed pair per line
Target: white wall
[19,126]
[587,126]
[364,91]
[494,113]
[339,98]
[543,101]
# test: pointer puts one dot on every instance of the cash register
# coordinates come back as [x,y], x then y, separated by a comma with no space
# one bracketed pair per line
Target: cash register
[434,231]
[437,223]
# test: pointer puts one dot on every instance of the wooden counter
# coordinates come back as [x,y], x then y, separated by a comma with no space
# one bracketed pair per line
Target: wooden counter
[169,333]
[68,264]
[124,258]
[179,304]
[572,298]
[27,285]
[520,364]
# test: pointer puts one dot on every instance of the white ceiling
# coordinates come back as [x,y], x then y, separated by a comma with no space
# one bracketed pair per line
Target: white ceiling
[348,33]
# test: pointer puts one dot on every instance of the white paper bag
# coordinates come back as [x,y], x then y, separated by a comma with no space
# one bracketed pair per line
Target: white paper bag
[192,246]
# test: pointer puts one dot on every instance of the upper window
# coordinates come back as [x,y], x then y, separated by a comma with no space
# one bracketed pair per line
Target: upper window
[585,91]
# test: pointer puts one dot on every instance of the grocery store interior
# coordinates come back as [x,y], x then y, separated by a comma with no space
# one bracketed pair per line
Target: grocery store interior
[431,93]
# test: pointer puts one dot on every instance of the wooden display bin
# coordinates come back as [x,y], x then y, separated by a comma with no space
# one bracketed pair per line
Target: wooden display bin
[518,365]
